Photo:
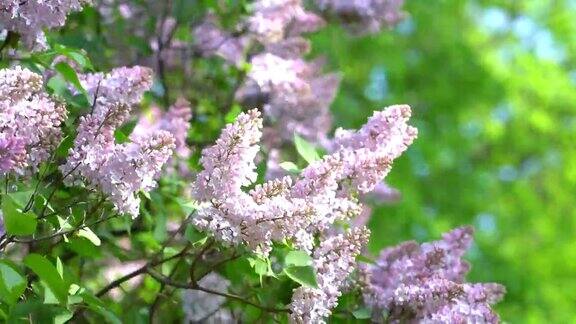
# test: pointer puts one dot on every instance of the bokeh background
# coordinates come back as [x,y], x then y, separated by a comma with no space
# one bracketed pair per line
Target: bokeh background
[493,89]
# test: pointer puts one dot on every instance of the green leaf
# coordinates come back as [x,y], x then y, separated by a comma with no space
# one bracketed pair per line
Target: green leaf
[77,55]
[83,247]
[48,273]
[365,259]
[290,167]
[35,309]
[90,236]
[21,198]
[160,230]
[79,101]
[262,267]
[15,221]
[69,75]
[74,288]
[188,206]
[305,149]
[58,85]
[298,258]
[194,236]
[63,317]
[233,113]
[63,223]
[302,275]
[59,267]
[362,313]
[99,307]
[12,284]
[122,134]
[120,137]
[65,146]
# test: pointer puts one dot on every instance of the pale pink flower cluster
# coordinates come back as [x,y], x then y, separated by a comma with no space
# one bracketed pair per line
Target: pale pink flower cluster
[298,210]
[293,93]
[299,96]
[29,18]
[426,283]
[364,16]
[282,209]
[334,261]
[176,121]
[120,171]
[29,121]
[211,40]
[273,21]
[108,8]
[12,153]
[386,132]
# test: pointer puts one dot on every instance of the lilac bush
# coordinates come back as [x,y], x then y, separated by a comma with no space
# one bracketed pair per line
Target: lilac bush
[111,165]
[426,283]
[30,121]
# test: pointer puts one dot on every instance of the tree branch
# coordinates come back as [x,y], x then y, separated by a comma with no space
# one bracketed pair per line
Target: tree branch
[167,281]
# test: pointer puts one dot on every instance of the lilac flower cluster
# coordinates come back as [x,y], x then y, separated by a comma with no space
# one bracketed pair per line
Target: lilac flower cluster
[299,97]
[426,283]
[281,209]
[274,21]
[298,210]
[176,121]
[387,133]
[294,94]
[211,40]
[298,94]
[29,121]
[364,16]
[334,261]
[118,170]
[29,18]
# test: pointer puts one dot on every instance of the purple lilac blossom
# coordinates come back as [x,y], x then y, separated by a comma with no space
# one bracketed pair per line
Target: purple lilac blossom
[29,121]
[176,121]
[29,18]
[211,40]
[386,133]
[334,261]
[275,20]
[282,208]
[12,154]
[298,96]
[118,170]
[293,93]
[364,16]
[415,282]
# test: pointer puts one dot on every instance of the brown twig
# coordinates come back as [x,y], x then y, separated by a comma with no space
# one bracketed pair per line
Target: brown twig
[195,286]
